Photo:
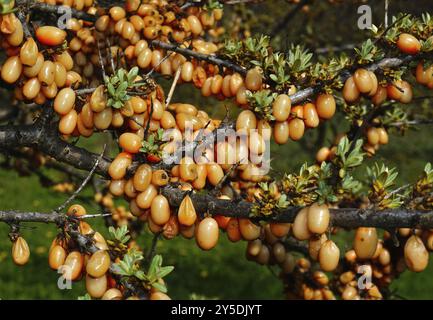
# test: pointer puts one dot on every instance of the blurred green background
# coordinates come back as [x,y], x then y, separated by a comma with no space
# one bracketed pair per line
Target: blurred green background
[222,273]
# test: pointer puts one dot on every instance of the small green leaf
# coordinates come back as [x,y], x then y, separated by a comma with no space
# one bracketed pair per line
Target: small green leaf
[160,287]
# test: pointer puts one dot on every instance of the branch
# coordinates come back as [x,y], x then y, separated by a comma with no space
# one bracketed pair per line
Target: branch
[60,10]
[301,95]
[14,216]
[343,217]
[83,184]
[44,136]
[304,94]
[199,56]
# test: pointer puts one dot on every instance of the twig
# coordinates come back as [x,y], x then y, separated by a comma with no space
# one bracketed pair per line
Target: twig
[21,15]
[386,13]
[146,130]
[410,122]
[152,249]
[101,60]
[173,87]
[286,19]
[83,184]
[228,173]
[396,191]
[82,92]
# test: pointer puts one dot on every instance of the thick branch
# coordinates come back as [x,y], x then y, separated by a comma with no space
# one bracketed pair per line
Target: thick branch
[13,216]
[45,137]
[60,10]
[344,217]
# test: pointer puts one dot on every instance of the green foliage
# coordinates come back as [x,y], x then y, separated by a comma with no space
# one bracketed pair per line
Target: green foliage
[368,52]
[153,142]
[130,267]
[382,179]
[119,234]
[6,6]
[212,5]
[261,102]
[299,187]
[348,157]
[299,59]
[157,271]
[268,201]
[117,86]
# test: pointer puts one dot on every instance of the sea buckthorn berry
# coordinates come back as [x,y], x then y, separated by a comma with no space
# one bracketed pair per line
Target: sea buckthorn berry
[281,132]
[207,233]
[380,96]
[130,142]
[29,52]
[144,199]
[233,232]
[248,229]
[281,107]
[160,178]
[373,136]
[323,154]
[31,88]
[11,69]
[56,257]
[423,76]
[280,229]
[68,122]
[318,218]
[98,264]
[47,73]
[76,210]
[383,136]
[160,210]
[186,213]
[314,245]
[15,38]
[142,177]
[117,168]
[64,101]
[50,36]
[20,251]
[300,225]
[96,287]
[415,254]
[296,129]
[365,242]
[311,118]
[253,79]
[407,43]
[395,90]
[363,81]
[71,270]
[329,256]
[112,294]
[350,90]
